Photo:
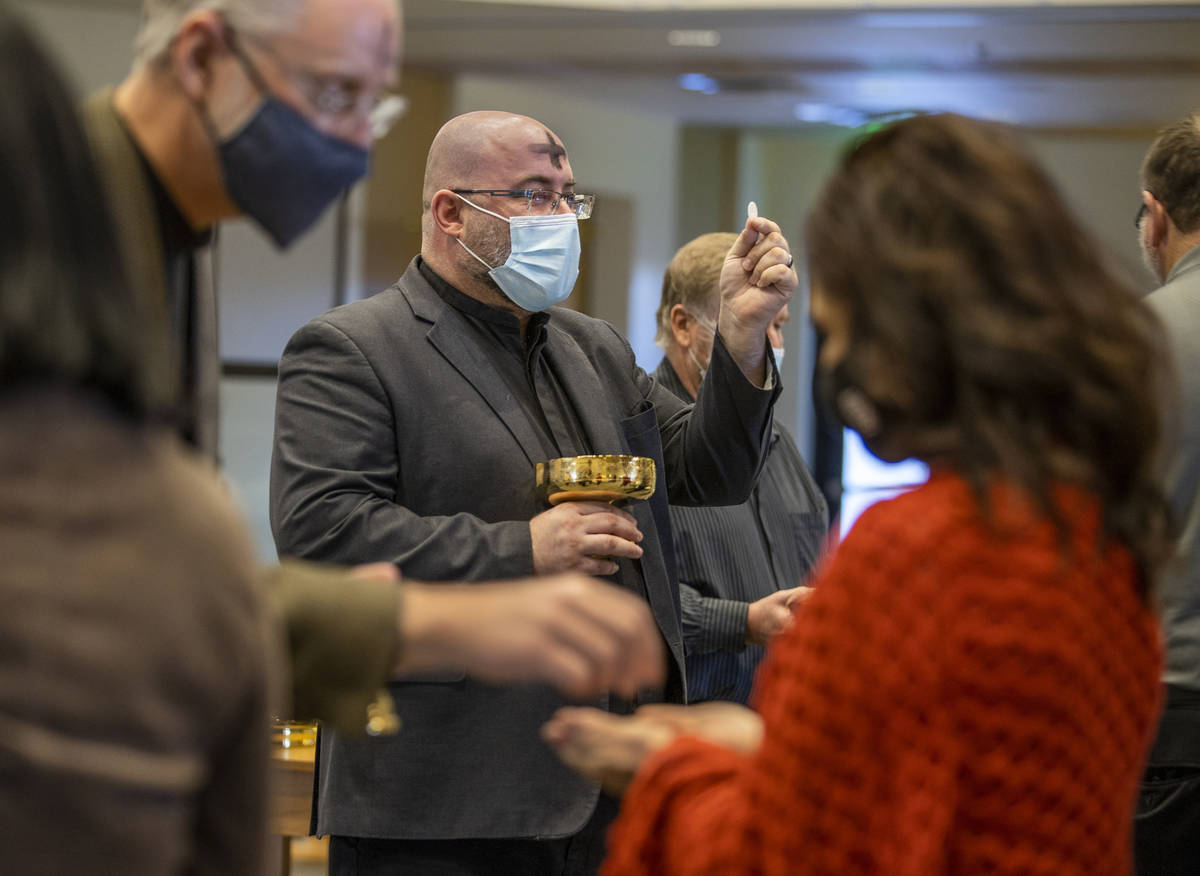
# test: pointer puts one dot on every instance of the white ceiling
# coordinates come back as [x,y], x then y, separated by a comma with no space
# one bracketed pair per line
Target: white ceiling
[1052,66]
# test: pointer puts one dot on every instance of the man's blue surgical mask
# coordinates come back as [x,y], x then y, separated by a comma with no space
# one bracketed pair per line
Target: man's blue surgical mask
[283,172]
[543,260]
[711,326]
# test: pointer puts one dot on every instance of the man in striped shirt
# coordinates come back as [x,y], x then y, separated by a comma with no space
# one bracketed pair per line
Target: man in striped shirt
[741,567]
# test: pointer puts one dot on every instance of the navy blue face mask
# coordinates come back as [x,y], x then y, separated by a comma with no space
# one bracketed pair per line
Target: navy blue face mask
[282,172]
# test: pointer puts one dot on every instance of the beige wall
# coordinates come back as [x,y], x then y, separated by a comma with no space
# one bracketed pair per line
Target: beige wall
[1098,174]
[392,229]
[93,42]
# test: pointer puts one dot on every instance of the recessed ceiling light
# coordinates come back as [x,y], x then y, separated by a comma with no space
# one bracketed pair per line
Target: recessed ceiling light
[706,39]
[701,82]
[829,114]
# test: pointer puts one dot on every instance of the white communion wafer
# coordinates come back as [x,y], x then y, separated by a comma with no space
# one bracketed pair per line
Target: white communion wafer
[752,210]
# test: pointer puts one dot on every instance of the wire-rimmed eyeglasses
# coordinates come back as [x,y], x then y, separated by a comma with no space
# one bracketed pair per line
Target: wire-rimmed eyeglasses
[541,201]
[337,97]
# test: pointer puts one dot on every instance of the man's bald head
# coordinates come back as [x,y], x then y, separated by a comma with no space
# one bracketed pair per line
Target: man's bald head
[474,150]
[463,233]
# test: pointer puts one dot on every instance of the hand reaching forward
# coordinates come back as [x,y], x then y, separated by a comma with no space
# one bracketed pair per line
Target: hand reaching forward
[757,280]
[797,596]
[727,724]
[581,635]
[581,537]
[610,748]
[769,616]
[606,748]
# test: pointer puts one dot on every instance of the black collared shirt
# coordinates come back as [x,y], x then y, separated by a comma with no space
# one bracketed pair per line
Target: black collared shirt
[523,364]
[179,243]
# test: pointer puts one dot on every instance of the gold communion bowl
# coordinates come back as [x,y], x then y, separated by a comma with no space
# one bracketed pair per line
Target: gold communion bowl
[606,477]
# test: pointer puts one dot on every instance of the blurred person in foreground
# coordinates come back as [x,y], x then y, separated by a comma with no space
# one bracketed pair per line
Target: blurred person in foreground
[267,109]
[740,566]
[972,685]
[133,663]
[1167,825]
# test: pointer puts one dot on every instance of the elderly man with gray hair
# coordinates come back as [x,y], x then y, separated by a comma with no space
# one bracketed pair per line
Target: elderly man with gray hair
[258,108]
[740,566]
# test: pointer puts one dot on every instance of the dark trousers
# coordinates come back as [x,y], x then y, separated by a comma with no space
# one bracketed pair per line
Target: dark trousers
[578,855]
[1166,825]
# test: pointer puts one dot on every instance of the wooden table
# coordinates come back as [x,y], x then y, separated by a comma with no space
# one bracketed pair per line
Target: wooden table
[291,795]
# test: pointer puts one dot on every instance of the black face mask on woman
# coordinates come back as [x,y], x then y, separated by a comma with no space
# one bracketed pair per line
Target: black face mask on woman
[843,400]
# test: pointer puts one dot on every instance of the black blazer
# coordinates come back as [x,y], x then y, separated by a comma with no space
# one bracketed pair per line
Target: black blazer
[395,440]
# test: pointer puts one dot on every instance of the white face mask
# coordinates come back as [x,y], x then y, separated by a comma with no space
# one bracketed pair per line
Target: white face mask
[712,327]
[778,351]
[543,262]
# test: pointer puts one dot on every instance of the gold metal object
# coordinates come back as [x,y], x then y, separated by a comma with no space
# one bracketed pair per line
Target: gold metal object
[605,477]
[293,734]
[382,719]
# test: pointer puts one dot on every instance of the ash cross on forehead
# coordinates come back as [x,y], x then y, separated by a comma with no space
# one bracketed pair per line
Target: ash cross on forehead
[553,150]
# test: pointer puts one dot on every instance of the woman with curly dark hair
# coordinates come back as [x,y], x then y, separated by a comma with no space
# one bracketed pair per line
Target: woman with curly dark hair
[972,685]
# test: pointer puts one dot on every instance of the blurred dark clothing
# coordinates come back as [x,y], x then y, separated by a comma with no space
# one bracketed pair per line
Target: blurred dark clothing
[133,678]
[1166,827]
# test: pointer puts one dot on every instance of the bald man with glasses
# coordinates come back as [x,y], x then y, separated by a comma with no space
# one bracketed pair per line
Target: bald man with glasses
[407,430]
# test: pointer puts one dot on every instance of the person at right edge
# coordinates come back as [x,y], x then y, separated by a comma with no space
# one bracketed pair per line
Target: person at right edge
[740,566]
[1167,823]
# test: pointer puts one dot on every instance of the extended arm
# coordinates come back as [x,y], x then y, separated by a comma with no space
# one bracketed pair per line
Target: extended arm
[856,766]
[715,459]
[711,624]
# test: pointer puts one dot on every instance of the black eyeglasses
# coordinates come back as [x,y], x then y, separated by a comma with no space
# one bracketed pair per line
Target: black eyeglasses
[1142,210]
[541,201]
[1137,220]
[339,97]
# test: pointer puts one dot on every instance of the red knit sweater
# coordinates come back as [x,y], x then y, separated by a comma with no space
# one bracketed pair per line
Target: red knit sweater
[951,699]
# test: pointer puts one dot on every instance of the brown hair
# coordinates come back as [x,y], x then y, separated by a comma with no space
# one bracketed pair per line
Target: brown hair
[961,266]
[693,279]
[1171,172]
[67,312]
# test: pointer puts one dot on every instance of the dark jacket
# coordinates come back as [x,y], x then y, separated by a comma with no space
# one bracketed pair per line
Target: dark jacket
[396,440]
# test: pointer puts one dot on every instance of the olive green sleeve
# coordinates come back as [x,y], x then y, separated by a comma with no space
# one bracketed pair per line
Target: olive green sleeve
[341,640]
